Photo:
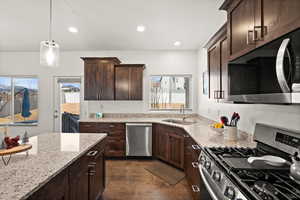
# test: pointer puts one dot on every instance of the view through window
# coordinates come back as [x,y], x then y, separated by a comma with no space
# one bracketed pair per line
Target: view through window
[170,92]
[18,100]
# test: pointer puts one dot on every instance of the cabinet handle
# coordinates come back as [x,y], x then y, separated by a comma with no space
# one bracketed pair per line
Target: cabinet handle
[263,31]
[111,126]
[248,37]
[92,153]
[195,164]
[186,136]
[196,147]
[195,188]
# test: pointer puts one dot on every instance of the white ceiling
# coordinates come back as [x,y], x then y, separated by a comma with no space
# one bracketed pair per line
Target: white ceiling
[109,24]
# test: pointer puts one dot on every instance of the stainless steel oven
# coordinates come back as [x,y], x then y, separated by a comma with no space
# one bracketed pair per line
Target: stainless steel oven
[269,74]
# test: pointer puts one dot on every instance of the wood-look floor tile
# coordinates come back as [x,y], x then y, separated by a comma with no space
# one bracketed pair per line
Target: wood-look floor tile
[129,180]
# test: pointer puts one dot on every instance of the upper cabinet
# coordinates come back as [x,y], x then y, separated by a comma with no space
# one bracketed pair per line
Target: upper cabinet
[106,79]
[129,81]
[252,23]
[277,17]
[217,64]
[99,78]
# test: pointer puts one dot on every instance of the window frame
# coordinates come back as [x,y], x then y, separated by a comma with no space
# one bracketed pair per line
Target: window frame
[190,108]
[12,110]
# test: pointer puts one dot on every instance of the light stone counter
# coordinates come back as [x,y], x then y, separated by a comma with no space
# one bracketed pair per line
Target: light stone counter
[200,131]
[50,154]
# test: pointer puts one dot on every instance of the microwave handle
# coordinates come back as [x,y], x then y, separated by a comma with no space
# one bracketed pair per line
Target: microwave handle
[280,66]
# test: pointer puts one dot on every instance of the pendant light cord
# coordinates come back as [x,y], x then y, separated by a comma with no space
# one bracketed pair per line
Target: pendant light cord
[50,23]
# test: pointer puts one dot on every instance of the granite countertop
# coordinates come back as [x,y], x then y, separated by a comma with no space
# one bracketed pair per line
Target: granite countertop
[50,154]
[199,131]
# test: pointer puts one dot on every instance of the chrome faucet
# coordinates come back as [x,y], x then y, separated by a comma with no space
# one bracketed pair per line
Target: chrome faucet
[182,111]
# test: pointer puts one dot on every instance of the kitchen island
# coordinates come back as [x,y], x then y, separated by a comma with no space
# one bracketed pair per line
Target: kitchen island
[57,167]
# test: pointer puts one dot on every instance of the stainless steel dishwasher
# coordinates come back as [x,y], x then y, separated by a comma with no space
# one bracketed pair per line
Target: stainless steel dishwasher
[138,139]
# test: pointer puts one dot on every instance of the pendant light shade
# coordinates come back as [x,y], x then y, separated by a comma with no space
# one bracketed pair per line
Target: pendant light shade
[49,53]
[49,49]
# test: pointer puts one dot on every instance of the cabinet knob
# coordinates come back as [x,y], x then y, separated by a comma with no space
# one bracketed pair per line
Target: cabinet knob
[196,147]
[92,153]
[195,188]
[195,164]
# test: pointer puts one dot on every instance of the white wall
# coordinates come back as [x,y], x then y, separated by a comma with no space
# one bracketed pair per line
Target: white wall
[287,116]
[157,62]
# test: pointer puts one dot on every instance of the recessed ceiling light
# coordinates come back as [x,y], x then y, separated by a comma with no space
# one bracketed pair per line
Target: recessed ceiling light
[177,43]
[73,29]
[140,28]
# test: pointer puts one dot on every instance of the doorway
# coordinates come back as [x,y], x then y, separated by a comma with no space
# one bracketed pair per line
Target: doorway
[67,95]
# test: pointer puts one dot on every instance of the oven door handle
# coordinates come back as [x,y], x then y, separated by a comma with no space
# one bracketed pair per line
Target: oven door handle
[280,66]
[213,194]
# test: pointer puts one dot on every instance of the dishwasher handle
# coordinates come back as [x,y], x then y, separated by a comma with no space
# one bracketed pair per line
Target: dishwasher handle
[139,124]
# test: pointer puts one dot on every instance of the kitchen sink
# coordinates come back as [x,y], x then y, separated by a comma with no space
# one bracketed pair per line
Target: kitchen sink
[180,121]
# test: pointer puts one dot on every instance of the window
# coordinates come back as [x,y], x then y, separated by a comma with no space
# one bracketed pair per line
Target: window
[18,100]
[170,92]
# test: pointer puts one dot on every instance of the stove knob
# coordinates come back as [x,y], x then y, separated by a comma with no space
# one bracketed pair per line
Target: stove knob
[217,176]
[229,192]
[207,165]
[202,159]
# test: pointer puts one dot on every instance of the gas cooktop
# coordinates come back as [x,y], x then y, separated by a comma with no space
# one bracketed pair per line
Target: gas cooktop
[229,176]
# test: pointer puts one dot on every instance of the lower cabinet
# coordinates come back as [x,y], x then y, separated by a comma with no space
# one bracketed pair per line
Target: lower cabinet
[96,173]
[116,136]
[191,154]
[78,179]
[84,179]
[50,191]
[169,144]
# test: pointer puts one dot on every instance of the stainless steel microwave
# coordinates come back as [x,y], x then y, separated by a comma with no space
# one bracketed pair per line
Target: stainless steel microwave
[269,74]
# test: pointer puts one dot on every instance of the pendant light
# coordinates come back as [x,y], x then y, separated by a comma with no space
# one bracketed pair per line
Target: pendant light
[49,49]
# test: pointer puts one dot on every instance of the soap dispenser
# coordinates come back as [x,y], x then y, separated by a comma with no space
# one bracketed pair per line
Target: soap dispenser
[295,168]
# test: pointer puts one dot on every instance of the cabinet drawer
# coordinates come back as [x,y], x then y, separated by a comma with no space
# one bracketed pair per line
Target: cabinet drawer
[115,148]
[88,127]
[111,126]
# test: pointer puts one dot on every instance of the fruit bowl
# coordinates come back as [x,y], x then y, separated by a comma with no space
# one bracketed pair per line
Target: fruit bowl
[217,130]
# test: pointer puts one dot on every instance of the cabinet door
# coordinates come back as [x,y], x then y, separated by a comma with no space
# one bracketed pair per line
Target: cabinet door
[78,179]
[122,83]
[107,87]
[56,189]
[224,67]
[92,80]
[176,150]
[241,28]
[97,176]
[162,144]
[191,169]
[276,18]
[214,71]
[136,83]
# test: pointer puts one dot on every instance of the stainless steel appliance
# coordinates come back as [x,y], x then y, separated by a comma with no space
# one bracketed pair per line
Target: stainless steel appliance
[269,74]
[138,139]
[227,175]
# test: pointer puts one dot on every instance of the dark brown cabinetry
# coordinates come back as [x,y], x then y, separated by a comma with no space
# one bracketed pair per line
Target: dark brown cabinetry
[78,179]
[116,139]
[129,81]
[241,28]
[50,191]
[169,144]
[99,78]
[214,71]
[191,155]
[84,179]
[217,64]
[252,23]
[96,172]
